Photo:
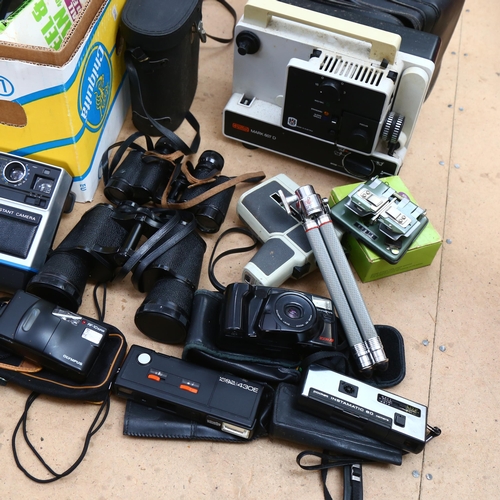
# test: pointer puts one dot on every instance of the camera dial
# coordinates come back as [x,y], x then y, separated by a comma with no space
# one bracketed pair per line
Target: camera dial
[14,172]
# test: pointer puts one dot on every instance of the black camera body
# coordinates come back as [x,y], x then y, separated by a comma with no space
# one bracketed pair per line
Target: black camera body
[33,197]
[275,322]
[56,338]
[215,399]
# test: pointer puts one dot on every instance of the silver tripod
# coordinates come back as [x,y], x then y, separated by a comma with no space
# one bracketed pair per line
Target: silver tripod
[363,339]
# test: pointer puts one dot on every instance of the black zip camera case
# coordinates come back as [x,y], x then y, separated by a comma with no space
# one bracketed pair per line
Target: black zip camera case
[162,39]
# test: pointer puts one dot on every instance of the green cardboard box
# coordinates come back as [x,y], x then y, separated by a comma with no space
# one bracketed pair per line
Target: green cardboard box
[367,264]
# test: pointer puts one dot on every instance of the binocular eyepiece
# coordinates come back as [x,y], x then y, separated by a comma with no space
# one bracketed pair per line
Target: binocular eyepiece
[140,177]
[210,213]
[143,178]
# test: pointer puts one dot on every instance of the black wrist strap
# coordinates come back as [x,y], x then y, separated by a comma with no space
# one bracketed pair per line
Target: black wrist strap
[353,479]
[94,427]
[211,264]
[353,482]
[230,9]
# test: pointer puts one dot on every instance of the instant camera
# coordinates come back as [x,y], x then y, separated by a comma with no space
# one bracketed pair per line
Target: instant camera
[334,88]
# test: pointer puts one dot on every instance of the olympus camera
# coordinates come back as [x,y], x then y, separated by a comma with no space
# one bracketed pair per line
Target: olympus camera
[275,322]
[330,92]
[33,197]
[56,338]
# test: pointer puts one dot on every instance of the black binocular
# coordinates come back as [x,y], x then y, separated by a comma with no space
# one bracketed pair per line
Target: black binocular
[142,177]
[104,245]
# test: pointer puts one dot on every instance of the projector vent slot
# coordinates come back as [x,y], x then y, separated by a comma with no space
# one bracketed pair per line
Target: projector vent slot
[351,70]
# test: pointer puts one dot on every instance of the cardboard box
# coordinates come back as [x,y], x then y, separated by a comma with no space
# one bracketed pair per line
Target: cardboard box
[42,23]
[367,264]
[66,107]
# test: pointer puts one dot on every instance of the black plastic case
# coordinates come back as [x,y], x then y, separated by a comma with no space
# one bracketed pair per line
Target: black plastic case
[162,39]
[437,17]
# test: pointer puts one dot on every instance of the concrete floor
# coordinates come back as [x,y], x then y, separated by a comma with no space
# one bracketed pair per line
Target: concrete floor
[452,170]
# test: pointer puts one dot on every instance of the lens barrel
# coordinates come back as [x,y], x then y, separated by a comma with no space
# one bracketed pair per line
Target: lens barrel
[88,251]
[170,282]
[211,213]
[62,280]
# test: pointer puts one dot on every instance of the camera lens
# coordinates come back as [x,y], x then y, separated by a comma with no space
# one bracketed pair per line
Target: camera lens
[293,311]
[14,172]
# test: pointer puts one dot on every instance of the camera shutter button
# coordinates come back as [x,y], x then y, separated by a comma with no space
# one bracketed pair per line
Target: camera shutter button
[144,358]
[399,420]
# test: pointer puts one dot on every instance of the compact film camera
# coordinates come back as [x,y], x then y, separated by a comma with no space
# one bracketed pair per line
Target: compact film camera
[285,252]
[331,92]
[275,322]
[56,338]
[33,197]
[361,407]
[216,399]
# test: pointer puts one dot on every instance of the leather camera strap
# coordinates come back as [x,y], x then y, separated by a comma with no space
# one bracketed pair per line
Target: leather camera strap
[252,177]
[26,366]
[353,479]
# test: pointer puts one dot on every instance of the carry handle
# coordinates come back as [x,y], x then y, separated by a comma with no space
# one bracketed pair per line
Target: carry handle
[384,45]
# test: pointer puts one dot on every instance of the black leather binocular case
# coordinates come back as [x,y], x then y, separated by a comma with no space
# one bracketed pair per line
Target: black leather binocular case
[162,40]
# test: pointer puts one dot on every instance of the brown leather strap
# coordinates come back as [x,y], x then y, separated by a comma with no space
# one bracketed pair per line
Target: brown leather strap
[193,181]
[248,177]
[171,157]
[26,366]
